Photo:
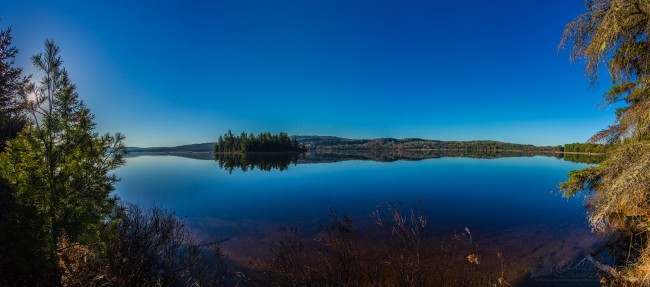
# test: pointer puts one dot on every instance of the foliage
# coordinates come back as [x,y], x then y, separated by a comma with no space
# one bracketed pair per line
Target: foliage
[615,32]
[15,255]
[22,258]
[60,226]
[264,142]
[151,248]
[58,166]
[12,89]
[622,187]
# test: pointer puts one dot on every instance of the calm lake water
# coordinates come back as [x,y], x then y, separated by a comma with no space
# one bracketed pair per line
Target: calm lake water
[510,204]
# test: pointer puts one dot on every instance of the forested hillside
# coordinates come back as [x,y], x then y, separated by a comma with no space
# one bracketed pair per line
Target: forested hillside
[336,143]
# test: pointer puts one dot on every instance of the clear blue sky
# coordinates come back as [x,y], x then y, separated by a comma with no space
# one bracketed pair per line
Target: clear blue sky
[176,72]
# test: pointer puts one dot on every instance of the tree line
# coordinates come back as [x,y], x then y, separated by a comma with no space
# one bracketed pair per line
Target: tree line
[264,142]
[422,144]
[586,147]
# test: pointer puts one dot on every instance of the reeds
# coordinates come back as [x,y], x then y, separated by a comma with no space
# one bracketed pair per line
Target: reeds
[399,255]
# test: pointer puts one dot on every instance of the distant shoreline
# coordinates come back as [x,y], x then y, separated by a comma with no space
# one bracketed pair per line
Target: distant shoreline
[262,152]
[587,153]
[329,144]
[322,150]
[477,150]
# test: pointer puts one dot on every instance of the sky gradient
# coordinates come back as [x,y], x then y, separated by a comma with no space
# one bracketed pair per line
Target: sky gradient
[171,72]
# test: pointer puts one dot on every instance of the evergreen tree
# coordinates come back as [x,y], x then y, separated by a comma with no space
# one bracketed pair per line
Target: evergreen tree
[616,32]
[18,262]
[58,166]
[12,89]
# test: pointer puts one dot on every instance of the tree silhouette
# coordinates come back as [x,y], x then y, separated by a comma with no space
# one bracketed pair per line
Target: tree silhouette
[59,167]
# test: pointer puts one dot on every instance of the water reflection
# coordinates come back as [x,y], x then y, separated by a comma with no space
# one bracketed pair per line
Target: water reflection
[411,155]
[261,161]
[282,161]
[584,158]
[508,203]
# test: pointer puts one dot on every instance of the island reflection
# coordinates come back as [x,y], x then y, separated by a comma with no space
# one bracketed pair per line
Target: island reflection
[282,161]
[260,161]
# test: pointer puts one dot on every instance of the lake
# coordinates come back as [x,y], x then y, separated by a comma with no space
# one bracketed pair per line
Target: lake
[509,202]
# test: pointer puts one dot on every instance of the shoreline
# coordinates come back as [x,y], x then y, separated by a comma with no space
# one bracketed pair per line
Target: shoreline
[366,150]
[469,150]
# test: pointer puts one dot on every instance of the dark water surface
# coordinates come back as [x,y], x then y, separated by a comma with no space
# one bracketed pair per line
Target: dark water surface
[509,203]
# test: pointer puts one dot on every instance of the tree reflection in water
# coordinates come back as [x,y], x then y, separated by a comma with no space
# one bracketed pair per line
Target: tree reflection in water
[261,161]
[281,161]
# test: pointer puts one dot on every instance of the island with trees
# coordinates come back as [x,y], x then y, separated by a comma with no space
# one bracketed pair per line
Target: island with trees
[264,142]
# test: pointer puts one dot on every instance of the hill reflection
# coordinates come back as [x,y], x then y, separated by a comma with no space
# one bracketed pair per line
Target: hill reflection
[282,161]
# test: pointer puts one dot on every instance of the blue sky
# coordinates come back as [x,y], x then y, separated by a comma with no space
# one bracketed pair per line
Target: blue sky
[177,72]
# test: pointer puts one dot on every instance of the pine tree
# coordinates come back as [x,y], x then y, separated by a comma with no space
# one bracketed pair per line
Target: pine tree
[12,89]
[615,32]
[59,167]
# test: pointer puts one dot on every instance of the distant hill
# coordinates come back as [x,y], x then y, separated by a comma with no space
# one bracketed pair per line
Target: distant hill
[202,147]
[327,143]
[332,143]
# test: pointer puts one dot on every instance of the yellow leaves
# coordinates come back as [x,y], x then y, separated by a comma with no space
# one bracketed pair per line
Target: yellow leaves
[473,258]
[603,46]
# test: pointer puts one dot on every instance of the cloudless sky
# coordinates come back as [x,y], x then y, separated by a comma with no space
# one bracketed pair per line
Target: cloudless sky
[177,72]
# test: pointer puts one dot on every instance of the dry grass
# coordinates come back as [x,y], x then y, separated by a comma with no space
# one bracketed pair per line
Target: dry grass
[399,255]
[150,248]
[619,202]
